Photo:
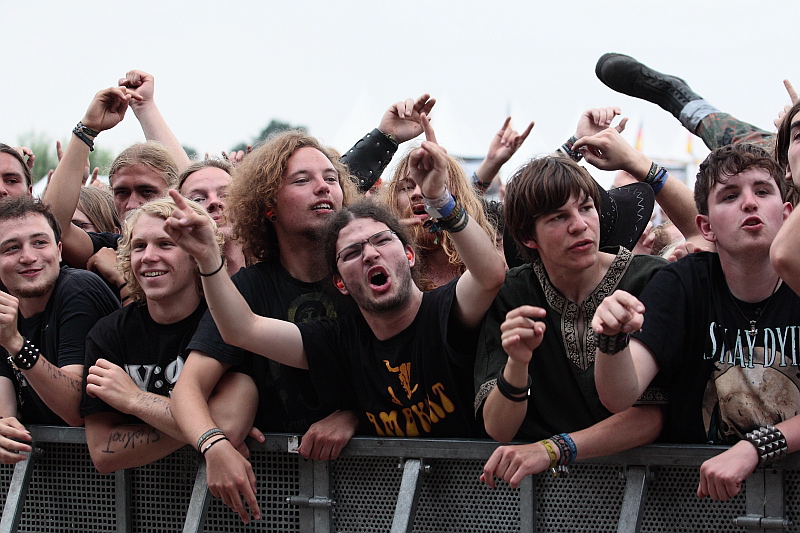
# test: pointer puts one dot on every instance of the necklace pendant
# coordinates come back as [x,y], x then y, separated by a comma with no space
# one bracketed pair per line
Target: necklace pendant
[753,329]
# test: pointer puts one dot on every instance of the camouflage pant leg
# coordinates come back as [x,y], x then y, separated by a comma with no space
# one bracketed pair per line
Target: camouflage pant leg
[722,129]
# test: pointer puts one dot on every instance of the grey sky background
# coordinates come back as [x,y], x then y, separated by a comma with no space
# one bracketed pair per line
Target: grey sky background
[223,70]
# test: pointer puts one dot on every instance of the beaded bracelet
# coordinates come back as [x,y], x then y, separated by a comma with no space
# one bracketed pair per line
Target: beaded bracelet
[26,357]
[207,435]
[569,452]
[769,442]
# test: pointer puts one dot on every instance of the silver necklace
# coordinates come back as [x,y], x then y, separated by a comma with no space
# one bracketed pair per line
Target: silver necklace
[759,312]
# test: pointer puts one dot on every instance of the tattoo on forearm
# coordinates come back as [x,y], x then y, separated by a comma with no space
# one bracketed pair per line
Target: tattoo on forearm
[55,373]
[144,435]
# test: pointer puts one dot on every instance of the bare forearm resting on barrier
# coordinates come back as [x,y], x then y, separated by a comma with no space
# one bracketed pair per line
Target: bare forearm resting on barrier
[115,446]
[60,388]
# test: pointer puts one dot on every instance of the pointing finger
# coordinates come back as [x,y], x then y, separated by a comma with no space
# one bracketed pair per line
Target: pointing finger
[791,91]
[427,128]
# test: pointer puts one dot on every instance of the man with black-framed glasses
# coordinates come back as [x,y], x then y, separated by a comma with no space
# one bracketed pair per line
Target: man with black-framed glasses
[404,363]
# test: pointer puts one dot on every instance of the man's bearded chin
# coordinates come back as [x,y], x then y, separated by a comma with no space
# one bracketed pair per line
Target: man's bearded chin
[424,240]
[36,292]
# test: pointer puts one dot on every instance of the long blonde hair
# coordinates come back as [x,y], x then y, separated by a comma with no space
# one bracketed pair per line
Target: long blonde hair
[459,187]
[161,208]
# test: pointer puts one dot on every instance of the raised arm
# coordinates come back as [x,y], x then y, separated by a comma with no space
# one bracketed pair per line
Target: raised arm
[607,150]
[504,144]
[370,156]
[154,126]
[238,325]
[783,253]
[485,268]
[106,110]
[621,376]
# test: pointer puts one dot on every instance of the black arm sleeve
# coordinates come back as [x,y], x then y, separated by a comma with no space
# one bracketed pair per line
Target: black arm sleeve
[369,157]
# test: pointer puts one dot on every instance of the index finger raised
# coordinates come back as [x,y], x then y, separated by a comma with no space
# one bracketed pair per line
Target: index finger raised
[791,91]
[427,128]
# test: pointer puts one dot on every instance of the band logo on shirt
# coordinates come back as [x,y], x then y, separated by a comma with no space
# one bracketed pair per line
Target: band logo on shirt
[754,381]
[406,422]
[404,371]
[738,347]
[152,378]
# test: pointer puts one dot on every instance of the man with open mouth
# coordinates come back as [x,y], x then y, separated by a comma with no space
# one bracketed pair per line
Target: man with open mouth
[403,362]
[721,328]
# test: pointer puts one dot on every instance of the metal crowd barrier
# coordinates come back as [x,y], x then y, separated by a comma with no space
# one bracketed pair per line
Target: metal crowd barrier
[392,485]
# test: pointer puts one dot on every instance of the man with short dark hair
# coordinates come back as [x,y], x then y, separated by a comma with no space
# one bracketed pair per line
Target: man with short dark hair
[719,329]
[534,372]
[45,315]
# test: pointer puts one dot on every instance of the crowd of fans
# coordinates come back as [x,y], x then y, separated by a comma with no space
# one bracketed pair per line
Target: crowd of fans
[294,289]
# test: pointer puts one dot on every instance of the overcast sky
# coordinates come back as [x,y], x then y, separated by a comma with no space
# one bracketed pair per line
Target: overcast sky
[223,70]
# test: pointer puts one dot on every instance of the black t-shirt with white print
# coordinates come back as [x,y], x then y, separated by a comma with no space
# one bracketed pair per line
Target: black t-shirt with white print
[151,353]
[723,380]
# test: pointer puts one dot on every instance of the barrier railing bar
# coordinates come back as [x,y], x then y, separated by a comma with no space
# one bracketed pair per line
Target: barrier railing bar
[765,493]
[122,493]
[199,503]
[630,516]
[15,500]
[408,497]
[527,504]
[323,516]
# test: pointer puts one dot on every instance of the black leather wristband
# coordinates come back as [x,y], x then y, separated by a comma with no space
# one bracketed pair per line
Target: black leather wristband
[511,392]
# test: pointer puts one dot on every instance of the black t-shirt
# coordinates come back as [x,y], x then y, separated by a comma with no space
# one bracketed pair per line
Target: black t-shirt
[287,399]
[151,353]
[724,382]
[563,394]
[79,299]
[415,384]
